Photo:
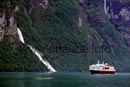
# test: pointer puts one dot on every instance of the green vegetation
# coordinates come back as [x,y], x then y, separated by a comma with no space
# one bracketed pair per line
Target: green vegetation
[1,6]
[21,59]
[55,32]
[55,27]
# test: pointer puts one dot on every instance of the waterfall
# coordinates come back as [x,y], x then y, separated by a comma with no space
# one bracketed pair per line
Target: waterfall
[20,36]
[120,1]
[45,62]
[105,6]
[37,53]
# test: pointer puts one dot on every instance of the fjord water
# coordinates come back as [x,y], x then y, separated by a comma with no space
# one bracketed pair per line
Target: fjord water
[63,80]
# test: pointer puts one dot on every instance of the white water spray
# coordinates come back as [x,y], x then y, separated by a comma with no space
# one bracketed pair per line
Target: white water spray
[37,53]
[45,62]
[20,36]
[105,6]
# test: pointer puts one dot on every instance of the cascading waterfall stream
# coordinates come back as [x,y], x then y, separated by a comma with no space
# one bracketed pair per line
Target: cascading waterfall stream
[45,62]
[105,6]
[20,36]
[37,53]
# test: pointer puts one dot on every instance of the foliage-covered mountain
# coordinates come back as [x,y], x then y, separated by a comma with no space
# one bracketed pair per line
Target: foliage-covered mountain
[72,34]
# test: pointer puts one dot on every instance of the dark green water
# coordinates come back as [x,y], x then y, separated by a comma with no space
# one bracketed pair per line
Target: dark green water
[63,80]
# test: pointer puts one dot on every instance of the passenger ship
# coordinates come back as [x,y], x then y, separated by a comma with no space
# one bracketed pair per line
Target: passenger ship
[103,68]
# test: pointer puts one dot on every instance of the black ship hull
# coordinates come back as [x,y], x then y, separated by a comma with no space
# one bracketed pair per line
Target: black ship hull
[101,72]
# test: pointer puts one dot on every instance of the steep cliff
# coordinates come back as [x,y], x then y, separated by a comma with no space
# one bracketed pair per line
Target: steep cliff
[14,56]
[8,25]
[72,34]
[119,15]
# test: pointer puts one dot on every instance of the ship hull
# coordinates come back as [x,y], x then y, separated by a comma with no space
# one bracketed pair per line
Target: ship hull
[101,72]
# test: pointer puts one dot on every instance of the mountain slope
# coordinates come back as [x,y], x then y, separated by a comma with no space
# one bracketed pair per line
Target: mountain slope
[14,56]
[73,34]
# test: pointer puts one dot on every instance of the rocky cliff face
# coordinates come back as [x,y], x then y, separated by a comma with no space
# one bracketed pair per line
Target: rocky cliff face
[115,12]
[119,15]
[2,21]
[8,24]
[13,55]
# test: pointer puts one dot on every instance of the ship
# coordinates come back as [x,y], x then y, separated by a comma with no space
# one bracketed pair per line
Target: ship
[102,68]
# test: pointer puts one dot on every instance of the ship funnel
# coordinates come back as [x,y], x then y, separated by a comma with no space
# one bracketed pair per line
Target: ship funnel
[98,62]
[103,62]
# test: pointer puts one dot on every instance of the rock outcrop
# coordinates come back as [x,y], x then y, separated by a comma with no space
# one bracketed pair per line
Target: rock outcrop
[2,25]
[119,15]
